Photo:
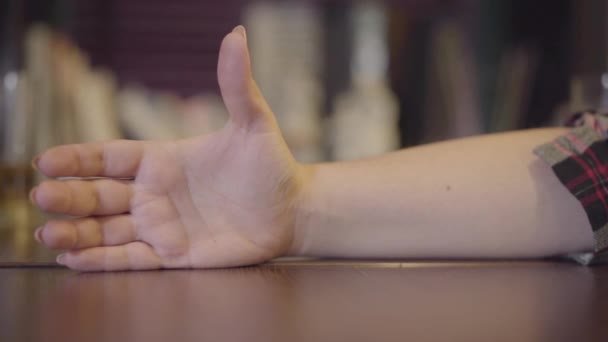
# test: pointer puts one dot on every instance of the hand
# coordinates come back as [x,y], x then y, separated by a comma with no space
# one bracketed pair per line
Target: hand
[225,199]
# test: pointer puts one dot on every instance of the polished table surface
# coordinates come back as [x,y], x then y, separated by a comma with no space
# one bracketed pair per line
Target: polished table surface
[310,301]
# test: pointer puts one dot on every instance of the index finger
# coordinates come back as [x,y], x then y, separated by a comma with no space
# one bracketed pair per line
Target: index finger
[116,159]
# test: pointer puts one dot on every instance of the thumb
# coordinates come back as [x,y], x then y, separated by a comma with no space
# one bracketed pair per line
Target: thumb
[242,97]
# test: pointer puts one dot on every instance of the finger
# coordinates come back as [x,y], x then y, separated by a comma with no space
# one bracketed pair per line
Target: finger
[241,95]
[83,197]
[117,159]
[132,256]
[87,232]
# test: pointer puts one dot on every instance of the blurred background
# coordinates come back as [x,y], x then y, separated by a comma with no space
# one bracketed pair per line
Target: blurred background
[346,79]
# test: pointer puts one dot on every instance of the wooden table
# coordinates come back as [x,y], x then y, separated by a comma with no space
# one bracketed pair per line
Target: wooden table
[310,301]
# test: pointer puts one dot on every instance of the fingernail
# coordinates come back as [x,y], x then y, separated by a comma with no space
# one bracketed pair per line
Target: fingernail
[38,234]
[61,259]
[32,195]
[35,162]
[240,30]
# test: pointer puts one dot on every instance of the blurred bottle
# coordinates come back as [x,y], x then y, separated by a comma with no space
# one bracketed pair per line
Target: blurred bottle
[16,174]
[364,123]
[16,138]
[285,42]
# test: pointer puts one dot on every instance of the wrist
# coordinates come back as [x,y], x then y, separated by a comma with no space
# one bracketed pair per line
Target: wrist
[304,205]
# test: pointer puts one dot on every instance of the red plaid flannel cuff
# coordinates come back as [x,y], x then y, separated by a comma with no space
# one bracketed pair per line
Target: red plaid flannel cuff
[579,159]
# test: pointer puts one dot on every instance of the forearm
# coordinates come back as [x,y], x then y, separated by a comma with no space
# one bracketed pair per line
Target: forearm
[480,197]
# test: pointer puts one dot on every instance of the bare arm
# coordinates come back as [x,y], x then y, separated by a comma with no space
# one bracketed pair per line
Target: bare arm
[480,197]
[237,196]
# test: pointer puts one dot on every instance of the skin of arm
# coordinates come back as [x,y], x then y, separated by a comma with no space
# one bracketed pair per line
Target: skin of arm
[237,196]
[487,196]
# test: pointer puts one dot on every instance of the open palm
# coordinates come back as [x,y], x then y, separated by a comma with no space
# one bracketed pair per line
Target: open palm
[219,200]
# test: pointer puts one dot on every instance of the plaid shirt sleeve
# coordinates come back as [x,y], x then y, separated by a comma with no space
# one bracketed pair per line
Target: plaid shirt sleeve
[579,159]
